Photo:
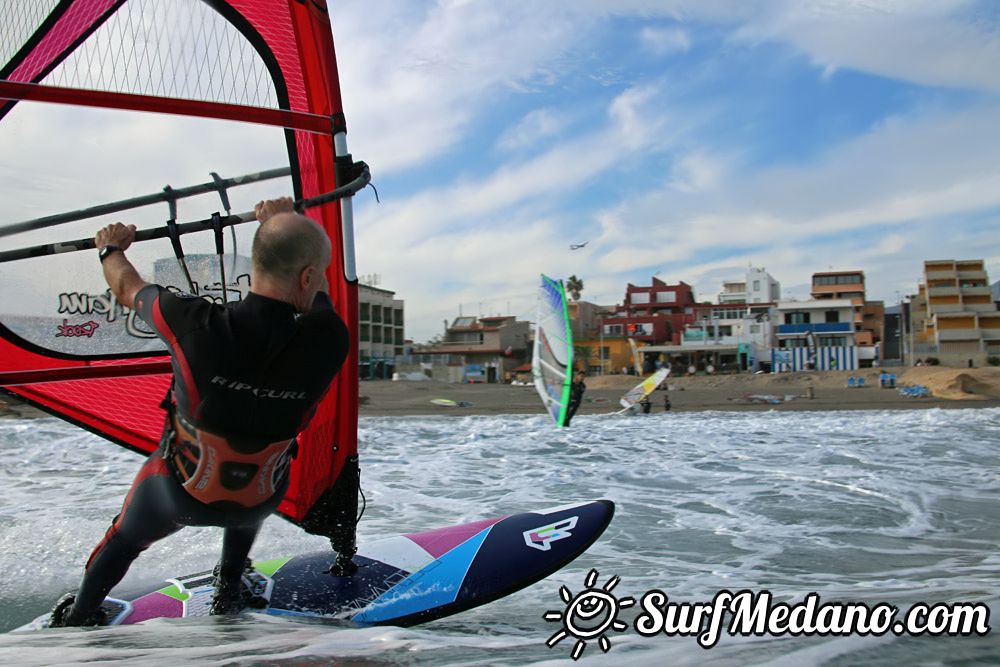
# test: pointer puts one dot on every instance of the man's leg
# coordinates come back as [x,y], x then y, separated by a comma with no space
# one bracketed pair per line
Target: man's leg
[144,519]
[236,543]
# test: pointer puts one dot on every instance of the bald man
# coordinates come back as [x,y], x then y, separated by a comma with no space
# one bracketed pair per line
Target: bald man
[247,378]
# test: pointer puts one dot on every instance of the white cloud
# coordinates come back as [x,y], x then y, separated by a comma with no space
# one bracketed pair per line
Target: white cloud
[924,41]
[535,127]
[699,171]
[665,41]
[416,77]
[882,199]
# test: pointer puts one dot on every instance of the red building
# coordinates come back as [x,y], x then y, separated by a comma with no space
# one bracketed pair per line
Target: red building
[654,314]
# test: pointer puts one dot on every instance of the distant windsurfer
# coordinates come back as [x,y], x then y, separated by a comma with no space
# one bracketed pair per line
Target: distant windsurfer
[576,390]
[247,378]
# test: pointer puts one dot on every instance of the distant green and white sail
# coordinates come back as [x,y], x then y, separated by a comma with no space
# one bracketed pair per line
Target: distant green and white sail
[552,361]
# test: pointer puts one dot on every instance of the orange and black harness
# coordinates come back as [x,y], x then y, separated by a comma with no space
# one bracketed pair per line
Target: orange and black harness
[215,469]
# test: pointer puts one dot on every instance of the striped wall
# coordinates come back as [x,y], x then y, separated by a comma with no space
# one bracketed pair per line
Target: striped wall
[843,358]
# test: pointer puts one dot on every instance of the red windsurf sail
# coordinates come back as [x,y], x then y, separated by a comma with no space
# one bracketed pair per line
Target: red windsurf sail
[64,344]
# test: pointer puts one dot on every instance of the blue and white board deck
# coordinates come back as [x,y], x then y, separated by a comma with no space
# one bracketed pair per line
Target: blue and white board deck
[402,580]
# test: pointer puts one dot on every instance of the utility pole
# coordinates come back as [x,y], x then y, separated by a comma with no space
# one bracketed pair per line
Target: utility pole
[600,350]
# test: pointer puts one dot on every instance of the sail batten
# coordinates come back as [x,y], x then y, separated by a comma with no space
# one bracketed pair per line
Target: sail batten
[295,120]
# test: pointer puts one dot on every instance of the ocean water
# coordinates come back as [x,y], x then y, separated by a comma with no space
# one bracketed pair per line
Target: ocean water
[898,507]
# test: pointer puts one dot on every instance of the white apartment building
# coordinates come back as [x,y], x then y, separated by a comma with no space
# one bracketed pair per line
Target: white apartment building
[757,286]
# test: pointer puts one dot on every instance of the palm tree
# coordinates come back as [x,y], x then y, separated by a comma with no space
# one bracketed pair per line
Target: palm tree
[582,355]
[574,286]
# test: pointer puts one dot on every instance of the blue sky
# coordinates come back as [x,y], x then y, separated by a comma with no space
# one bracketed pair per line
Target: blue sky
[683,139]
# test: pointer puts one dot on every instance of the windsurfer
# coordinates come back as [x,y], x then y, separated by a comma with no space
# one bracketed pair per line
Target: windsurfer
[576,390]
[247,378]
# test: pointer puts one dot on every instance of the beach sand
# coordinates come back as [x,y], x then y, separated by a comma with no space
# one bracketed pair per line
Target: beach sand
[951,387]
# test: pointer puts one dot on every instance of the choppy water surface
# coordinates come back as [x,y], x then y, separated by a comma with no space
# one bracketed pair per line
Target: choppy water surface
[898,507]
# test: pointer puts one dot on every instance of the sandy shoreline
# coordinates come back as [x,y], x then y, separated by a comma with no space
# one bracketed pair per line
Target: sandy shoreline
[726,392]
[952,388]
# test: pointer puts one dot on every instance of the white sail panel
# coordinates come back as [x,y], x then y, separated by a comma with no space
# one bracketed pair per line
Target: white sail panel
[552,361]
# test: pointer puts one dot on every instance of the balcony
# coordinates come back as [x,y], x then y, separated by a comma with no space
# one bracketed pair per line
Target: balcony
[958,334]
[818,328]
[941,275]
[982,290]
[942,291]
[980,307]
[990,334]
[977,274]
[947,308]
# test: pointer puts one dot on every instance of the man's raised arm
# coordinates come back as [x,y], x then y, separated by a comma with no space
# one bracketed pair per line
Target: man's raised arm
[124,281]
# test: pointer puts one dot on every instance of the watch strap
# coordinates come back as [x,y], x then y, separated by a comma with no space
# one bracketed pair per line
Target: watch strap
[107,250]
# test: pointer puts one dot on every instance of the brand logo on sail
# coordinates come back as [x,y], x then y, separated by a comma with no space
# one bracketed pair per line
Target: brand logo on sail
[543,537]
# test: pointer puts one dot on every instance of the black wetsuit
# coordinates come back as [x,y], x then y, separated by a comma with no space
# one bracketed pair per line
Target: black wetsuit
[576,390]
[253,372]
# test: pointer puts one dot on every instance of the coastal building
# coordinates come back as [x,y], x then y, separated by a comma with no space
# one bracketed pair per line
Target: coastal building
[653,315]
[816,334]
[725,337]
[483,349]
[953,315]
[893,343]
[380,332]
[605,355]
[595,352]
[757,287]
[585,318]
[868,316]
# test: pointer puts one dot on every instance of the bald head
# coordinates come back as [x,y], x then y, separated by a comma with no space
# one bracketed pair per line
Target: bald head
[286,243]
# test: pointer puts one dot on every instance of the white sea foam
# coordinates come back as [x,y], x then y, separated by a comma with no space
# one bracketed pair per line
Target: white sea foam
[870,506]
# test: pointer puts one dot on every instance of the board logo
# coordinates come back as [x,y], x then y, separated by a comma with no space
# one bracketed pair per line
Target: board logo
[543,537]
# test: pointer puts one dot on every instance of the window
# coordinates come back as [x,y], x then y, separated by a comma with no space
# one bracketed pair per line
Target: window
[363,332]
[398,338]
[796,318]
[397,316]
[640,297]
[605,353]
[831,341]
[365,314]
[666,297]
[387,335]
[756,286]
[612,330]
[832,316]
[387,314]
[376,313]
[376,334]
[755,328]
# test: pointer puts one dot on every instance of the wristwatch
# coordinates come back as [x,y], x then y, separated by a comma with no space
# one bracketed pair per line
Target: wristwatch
[107,250]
